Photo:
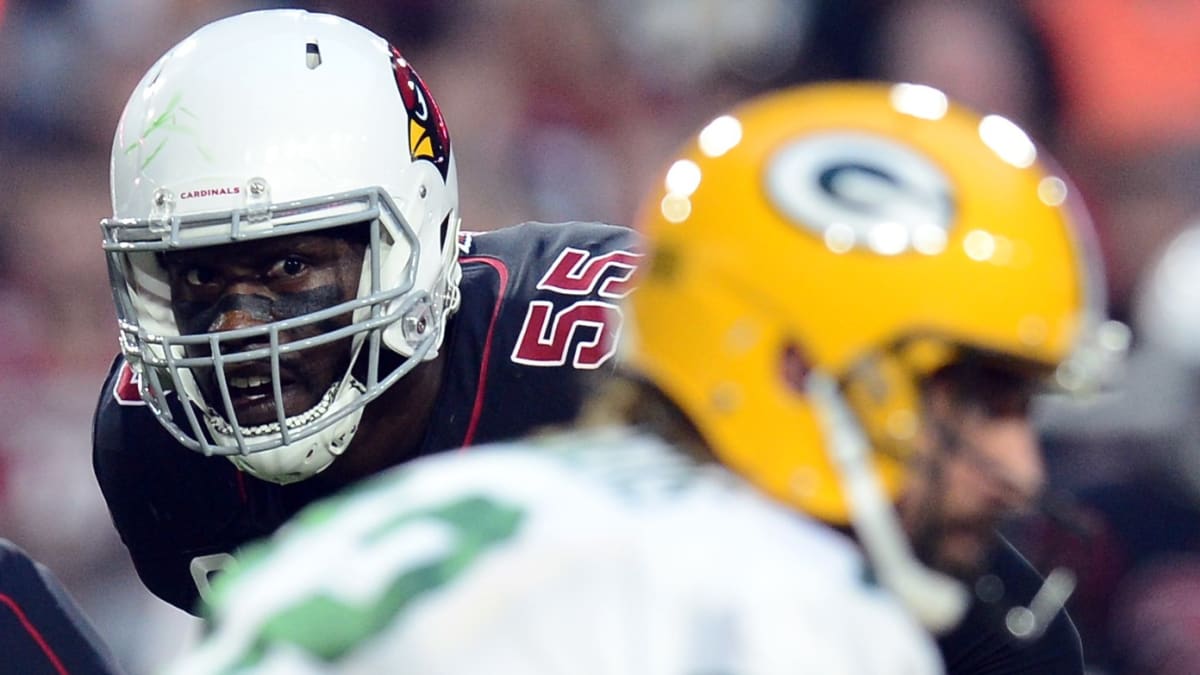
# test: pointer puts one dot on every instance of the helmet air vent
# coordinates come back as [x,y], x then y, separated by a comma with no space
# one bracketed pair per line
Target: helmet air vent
[312,54]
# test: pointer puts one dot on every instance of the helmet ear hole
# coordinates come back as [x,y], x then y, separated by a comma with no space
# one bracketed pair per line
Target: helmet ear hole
[795,367]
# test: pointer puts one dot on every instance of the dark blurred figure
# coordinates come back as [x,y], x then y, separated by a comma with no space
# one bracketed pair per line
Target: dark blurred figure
[41,628]
[1132,535]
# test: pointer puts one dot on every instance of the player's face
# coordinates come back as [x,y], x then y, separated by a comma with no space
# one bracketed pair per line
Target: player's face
[249,284]
[983,465]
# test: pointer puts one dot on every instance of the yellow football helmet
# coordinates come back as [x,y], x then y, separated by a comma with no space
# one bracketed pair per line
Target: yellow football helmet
[818,251]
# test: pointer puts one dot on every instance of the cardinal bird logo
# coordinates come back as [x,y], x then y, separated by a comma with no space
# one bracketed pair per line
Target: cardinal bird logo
[427,135]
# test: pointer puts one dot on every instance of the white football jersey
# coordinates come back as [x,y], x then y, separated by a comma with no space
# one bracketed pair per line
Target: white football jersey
[600,553]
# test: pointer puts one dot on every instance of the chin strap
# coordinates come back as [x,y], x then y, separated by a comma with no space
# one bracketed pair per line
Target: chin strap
[307,456]
[937,600]
[310,453]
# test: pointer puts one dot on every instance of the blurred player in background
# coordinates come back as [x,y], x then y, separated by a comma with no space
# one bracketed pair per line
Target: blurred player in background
[41,628]
[851,293]
[293,292]
[1138,552]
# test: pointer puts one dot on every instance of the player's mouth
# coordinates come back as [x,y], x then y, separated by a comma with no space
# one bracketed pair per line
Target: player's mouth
[252,393]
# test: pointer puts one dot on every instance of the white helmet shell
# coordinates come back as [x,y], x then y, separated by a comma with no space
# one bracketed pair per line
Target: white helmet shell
[267,124]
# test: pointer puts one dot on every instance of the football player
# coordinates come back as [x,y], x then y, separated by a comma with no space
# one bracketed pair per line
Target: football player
[294,293]
[41,627]
[851,292]
[1133,577]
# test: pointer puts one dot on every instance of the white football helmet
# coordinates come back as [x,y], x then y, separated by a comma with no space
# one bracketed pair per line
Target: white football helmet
[267,124]
[1167,305]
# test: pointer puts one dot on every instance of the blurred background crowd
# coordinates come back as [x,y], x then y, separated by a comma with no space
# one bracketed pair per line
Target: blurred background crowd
[565,109]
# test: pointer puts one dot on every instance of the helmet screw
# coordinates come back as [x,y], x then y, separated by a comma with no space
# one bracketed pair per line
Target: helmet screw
[257,186]
[422,191]
[415,326]
[161,197]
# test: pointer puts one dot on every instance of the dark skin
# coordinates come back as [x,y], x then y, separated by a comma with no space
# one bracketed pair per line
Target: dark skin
[253,283]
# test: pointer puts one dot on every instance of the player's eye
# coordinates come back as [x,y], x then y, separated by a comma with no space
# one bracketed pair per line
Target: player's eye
[289,267]
[198,276]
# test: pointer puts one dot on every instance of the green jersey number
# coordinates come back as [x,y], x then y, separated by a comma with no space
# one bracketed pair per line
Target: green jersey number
[328,626]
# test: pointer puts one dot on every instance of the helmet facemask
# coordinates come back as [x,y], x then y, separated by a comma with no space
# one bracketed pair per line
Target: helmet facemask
[205,368]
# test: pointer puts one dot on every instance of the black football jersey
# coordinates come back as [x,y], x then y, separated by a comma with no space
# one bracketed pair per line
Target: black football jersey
[981,645]
[42,630]
[536,327]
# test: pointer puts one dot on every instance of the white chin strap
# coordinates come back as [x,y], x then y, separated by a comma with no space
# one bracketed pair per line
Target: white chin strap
[304,457]
[937,600]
